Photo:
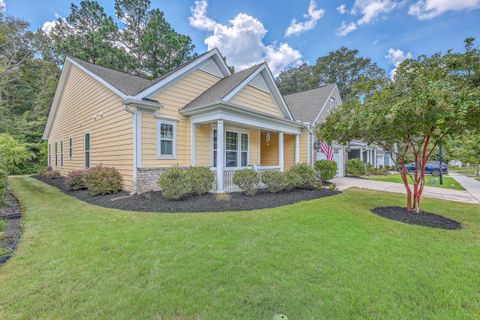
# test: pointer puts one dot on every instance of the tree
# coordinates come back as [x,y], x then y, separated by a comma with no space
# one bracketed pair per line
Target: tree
[431,99]
[90,34]
[342,66]
[467,149]
[13,154]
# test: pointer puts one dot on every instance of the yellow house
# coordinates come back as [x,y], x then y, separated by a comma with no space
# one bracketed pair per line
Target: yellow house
[199,114]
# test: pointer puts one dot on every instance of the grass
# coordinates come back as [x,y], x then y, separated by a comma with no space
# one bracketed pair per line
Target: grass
[470,171]
[329,258]
[3,251]
[448,182]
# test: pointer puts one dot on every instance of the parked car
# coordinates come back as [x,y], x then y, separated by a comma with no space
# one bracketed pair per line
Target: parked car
[432,168]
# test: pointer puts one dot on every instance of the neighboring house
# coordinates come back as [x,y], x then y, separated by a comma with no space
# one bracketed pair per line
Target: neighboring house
[142,127]
[370,154]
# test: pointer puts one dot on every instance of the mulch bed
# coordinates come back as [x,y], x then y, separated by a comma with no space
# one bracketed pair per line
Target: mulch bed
[155,202]
[425,219]
[11,212]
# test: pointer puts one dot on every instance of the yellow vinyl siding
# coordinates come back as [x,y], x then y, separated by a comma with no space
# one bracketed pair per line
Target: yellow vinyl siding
[203,145]
[304,146]
[253,147]
[172,99]
[288,150]
[269,152]
[88,106]
[257,100]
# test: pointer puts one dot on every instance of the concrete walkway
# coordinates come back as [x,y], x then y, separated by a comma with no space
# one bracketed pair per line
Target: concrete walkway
[470,184]
[469,196]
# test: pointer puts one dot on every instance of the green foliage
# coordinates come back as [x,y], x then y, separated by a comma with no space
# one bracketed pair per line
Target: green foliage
[52,174]
[76,179]
[3,186]
[300,176]
[326,169]
[355,167]
[200,179]
[371,171]
[14,155]
[247,180]
[103,180]
[342,66]
[174,183]
[275,181]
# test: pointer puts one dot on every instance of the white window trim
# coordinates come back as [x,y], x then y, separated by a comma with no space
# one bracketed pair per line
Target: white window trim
[62,149]
[56,154]
[85,150]
[239,132]
[174,146]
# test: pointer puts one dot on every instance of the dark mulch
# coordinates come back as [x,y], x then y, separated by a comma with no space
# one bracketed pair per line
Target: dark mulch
[11,212]
[155,202]
[425,219]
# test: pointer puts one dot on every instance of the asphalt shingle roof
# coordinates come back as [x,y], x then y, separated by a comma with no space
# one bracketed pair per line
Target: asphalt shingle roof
[306,105]
[222,88]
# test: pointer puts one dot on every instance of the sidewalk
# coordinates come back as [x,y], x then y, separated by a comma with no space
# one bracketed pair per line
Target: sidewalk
[472,185]
[472,195]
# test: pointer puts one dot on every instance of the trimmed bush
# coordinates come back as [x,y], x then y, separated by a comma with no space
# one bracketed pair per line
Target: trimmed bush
[3,186]
[247,180]
[103,180]
[355,167]
[326,169]
[76,179]
[300,176]
[200,179]
[275,181]
[377,171]
[52,174]
[174,183]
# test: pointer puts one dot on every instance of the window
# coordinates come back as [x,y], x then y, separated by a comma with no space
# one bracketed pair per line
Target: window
[244,150]
[56,154]
[331,103]
[231,149]
[49,154]
[166,138]
[61,153]
[70,149]
[214,147]
[87,150]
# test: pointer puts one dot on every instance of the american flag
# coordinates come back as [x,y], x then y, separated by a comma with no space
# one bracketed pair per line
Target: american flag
[327,150]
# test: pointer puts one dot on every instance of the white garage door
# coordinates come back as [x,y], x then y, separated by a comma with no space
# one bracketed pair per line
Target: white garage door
[337,157]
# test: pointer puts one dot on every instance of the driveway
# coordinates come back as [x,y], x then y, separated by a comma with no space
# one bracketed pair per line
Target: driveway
[471,195]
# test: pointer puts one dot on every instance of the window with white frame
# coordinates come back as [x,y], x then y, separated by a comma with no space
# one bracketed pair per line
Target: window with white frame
[214,147]
[56,154]
[166,136]
[70,149]
[231,149]
[236,148]
[61,153]
[87,149]
[244,150]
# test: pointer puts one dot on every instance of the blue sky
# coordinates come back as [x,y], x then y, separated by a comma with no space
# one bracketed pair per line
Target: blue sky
[249,31]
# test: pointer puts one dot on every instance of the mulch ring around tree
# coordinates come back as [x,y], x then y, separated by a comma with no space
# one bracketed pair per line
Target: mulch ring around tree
[155,202]
[12,214]
[425,219]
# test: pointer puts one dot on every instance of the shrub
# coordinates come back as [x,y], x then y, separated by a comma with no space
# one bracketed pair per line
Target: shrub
[3,186]
[76,179]
[326,169]
[332,186]
[355,167]
[300,176]
[275,181]
[376,171]
[200,179]
[174,183]
[14,155]
[247,180]
[103,180]
[393,168]
[52,174]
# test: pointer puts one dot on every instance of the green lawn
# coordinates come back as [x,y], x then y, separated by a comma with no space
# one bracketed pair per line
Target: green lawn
[322,259]
[470,171]
[448,182]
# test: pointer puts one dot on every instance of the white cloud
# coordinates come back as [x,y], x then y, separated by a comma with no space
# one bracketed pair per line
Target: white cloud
[312,16]
[396,57]
[241,40]
[49,25]
[3,6]
[369,11]
[346,28]
[428,9]
[342,9]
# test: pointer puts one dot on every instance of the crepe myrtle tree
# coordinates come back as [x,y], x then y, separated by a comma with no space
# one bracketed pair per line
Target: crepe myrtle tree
[429,99]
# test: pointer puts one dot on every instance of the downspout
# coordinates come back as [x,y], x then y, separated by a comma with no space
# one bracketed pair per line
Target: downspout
[134,112]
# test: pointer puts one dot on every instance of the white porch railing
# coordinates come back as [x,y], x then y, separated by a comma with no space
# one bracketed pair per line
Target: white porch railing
[228,174]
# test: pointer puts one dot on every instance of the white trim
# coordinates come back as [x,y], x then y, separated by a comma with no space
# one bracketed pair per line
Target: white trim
[277,96]
[138,147]
[297,148]
[70,148]
[259,146]
[193,150]
[189,67]
[62,149]
[174,140]
[85,132]
[220,155]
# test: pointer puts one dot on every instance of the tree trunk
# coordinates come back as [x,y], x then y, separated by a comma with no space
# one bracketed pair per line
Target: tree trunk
[407,186]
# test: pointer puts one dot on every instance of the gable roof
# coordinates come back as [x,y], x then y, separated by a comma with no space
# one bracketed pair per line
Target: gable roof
[221,89]
[307,105]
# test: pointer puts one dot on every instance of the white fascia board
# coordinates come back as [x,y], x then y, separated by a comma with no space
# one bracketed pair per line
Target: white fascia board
[241,119]
[179,73]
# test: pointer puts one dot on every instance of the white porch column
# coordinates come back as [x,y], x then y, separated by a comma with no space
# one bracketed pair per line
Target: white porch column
[361,154]
[220,155]
[368,156]
[281,162]
[375,157]
[192,145]
[297,148]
